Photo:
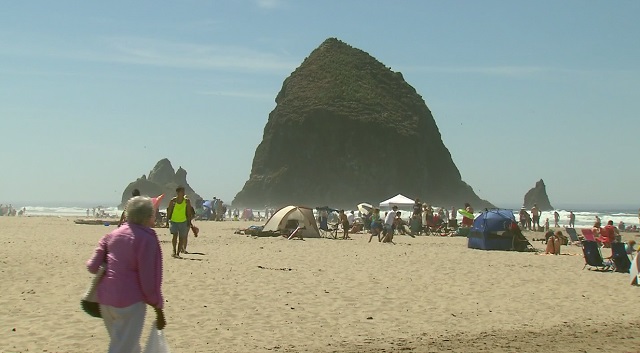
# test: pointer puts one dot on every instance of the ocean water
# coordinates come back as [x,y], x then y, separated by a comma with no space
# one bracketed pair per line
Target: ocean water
[69,211]
[584,218]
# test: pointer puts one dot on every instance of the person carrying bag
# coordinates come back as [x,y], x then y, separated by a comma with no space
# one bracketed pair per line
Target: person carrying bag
[132,277]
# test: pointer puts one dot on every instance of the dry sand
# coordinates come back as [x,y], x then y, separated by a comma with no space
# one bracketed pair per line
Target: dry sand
[243,294]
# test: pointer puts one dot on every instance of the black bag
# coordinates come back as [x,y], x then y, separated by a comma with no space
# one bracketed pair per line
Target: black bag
[91,308]
[89,301]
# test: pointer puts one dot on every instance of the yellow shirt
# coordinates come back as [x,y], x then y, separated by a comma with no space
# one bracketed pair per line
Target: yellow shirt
[179,213]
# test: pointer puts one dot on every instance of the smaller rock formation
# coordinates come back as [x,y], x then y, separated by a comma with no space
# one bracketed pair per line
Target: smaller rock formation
[162,180]
[538,195]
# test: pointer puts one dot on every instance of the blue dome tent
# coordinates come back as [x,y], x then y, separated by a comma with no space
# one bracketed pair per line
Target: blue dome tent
[496,229]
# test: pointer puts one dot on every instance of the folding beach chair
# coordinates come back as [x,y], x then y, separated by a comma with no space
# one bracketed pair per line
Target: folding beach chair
[331,231]
[620,258]
[588,234]
[573,235]
[593,256]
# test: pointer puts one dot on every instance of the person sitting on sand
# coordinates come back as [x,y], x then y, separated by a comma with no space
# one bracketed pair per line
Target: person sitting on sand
[399,223]
[356,227]
[553,243]
[376,224]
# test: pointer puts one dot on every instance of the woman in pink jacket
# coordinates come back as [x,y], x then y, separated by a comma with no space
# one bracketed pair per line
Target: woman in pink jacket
[133,276]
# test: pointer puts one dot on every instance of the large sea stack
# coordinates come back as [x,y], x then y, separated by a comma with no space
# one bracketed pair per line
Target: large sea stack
[346,129]
[162,180]
[538,196]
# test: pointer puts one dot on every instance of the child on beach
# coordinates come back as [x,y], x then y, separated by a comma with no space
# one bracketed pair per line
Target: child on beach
[376,224]
[630,247]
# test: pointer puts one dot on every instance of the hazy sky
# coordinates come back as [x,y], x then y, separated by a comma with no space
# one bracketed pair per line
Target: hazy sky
[93,94]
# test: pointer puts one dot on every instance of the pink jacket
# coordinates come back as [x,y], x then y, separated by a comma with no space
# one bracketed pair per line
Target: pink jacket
[134,267]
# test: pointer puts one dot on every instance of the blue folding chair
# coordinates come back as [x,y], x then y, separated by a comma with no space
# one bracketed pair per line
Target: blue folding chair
[573,235]
[593,256]
[620,258]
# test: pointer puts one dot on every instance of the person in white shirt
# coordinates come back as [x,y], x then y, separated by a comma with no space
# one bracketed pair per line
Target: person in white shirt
[351,217]
[388,225]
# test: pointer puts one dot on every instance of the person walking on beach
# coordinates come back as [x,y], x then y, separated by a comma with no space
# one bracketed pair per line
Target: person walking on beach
[388,225]
[179,215]
[376,224]
[556,218]
[134,277]
[572,220]
[466,221]
[535,213]
[123,216]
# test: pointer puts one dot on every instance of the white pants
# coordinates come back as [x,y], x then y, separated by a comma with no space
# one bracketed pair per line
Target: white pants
[124,326]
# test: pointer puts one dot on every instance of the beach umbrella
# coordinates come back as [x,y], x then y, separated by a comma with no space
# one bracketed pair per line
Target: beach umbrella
[326,208]
[365,208]
[156,201]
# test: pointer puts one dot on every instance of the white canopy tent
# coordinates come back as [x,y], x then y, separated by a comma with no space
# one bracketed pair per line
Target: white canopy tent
[399,200]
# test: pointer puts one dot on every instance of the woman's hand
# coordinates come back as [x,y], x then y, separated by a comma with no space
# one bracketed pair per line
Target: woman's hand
[160,321]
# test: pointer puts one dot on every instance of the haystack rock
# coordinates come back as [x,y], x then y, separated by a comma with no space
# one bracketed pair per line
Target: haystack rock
[162,180]
[346,129]
[538,195]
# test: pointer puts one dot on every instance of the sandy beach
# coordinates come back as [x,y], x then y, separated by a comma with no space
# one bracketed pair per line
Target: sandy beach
[236,293]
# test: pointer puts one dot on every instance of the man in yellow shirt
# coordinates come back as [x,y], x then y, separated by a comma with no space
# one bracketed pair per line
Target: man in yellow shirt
[179,214]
